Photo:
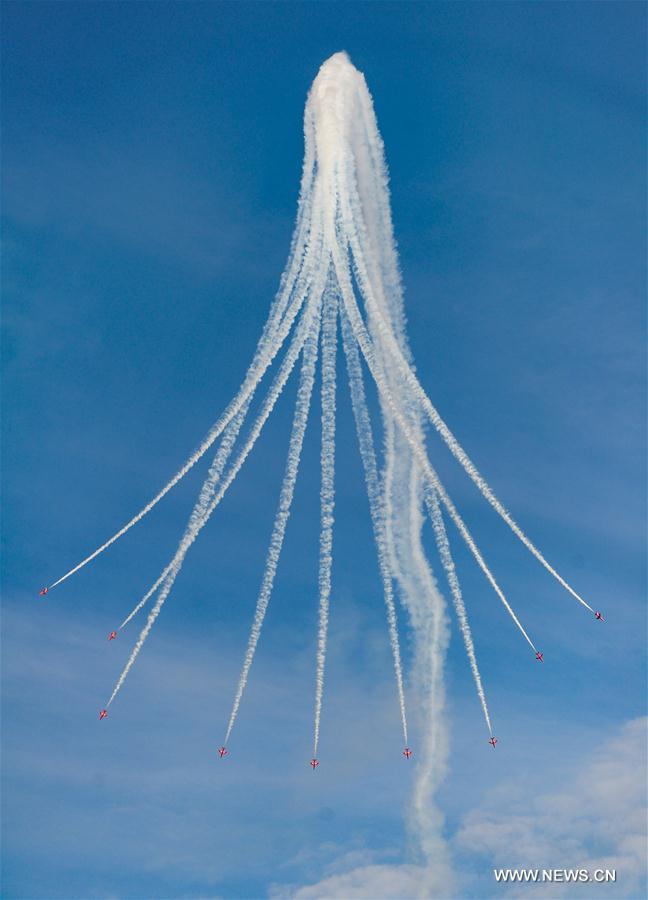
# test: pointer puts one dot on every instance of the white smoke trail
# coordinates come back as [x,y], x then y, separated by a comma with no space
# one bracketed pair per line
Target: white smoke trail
[403,494]
[327,493]
[366,346]
[351,230]
[338,121]
[280,320]
[232,430]
[206,493]
[427,608]
[390,343]
[376,505]
[302,408]
[191,533]
[147,596]
[432,502]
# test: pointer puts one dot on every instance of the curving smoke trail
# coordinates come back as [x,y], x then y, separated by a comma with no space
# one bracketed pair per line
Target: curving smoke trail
[255,373]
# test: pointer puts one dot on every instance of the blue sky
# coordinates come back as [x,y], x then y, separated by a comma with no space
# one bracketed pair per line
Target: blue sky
[152,155]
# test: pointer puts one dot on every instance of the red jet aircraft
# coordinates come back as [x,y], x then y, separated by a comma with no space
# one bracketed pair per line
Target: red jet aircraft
[103,714]
[407,752]
[492,741]
[314,763]
[222,751]
[42,592]
[539,656]
[597,614]
[112,635]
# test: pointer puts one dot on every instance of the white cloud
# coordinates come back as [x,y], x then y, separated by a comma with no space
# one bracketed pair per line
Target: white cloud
[596,821]
[375,881]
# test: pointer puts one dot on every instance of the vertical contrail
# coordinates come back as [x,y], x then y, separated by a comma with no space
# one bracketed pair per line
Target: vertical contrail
[327,494]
